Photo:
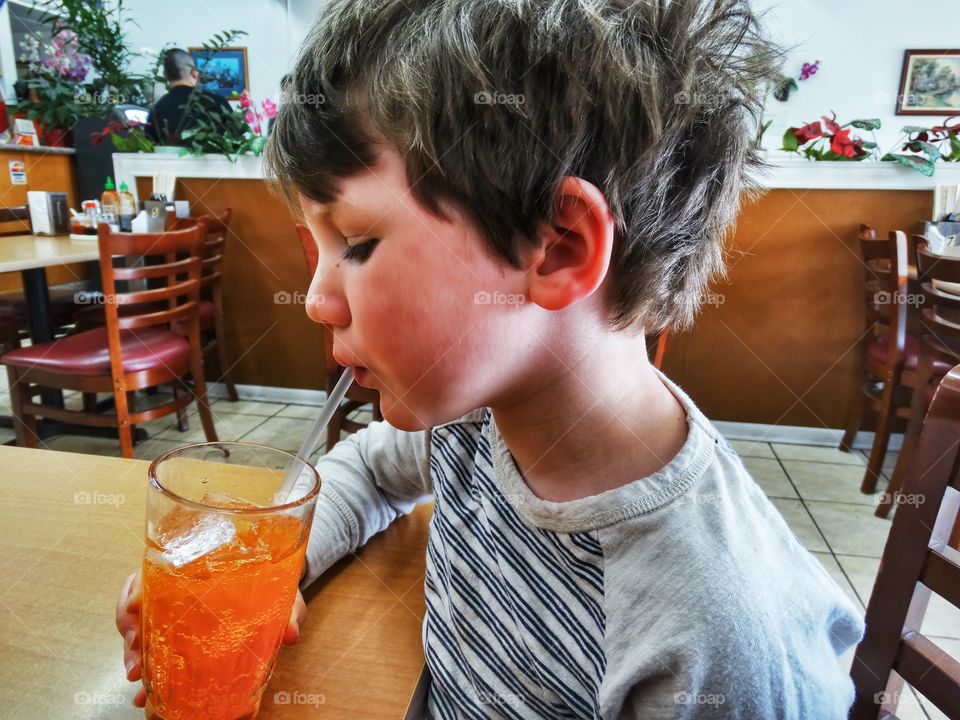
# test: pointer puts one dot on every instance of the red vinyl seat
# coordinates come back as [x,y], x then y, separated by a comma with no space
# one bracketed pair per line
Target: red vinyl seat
[87,353]
[911,355]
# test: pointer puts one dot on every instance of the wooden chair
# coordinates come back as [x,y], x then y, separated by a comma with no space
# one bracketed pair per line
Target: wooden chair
[890,352]
[357,396]
[917,559]
[940,351]
[211,292]
[130,352]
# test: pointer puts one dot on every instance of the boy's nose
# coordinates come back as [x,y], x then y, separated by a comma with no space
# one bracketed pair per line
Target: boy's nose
[325,302]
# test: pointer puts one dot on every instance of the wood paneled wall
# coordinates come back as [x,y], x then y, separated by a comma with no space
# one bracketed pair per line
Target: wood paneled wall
[49,172]
[782,346]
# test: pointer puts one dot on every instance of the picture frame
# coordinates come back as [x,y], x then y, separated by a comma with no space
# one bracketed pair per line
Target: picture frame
[223,72]
[929,83]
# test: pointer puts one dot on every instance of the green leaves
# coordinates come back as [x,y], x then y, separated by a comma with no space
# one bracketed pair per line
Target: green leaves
[922,165]
[790,142]
[222,134]
[871,124]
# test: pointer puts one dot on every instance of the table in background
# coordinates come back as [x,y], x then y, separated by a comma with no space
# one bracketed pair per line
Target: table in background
[71,530]
[31,255]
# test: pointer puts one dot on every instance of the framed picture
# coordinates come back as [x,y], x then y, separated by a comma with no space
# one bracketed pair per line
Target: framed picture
[222,72]
[930,83]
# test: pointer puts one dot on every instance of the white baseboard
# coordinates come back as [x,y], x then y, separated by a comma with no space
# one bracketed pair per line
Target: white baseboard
[795,435]
[263,393]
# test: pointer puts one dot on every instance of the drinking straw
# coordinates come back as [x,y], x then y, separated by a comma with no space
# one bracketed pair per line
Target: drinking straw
[310,442]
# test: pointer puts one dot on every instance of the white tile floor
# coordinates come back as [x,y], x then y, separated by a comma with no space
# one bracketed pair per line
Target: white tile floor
[815,488]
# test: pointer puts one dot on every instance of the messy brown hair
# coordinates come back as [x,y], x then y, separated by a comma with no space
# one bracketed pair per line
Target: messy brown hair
[492,102]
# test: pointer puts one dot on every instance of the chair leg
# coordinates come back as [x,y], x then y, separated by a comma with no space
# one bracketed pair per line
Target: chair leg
[200,387]
[182,422]
[881,439]
[226,373]
[954,541]
[124,430]
[90,403]
[853,422]
[24,426]
[918,409]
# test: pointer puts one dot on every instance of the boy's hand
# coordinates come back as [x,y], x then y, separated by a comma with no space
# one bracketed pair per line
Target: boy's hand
[128,623]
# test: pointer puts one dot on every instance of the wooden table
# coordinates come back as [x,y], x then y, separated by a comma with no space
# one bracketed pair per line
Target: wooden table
[31,255]
[71,530]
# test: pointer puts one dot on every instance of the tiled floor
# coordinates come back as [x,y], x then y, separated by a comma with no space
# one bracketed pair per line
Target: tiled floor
[815,488]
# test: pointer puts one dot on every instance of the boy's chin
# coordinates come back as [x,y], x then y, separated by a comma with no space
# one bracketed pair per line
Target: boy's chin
[409,418]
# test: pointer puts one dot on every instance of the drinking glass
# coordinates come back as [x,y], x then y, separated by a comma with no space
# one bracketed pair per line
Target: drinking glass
[220,571]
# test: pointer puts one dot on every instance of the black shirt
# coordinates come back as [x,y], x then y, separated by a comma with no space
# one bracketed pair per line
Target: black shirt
[165,116]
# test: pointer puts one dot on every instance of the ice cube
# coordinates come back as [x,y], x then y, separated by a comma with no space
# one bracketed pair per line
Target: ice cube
[207,534]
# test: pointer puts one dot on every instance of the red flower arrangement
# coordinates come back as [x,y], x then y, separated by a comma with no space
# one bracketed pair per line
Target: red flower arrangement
[831,141]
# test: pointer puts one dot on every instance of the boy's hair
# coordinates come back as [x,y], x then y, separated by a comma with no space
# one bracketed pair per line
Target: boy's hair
[492,102]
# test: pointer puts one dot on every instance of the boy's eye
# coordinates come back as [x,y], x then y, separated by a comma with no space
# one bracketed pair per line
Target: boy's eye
[360,251]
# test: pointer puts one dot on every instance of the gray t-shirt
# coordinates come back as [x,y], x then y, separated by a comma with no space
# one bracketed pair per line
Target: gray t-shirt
[680,595]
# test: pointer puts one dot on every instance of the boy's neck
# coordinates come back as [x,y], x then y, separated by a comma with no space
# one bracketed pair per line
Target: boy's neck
[590,424]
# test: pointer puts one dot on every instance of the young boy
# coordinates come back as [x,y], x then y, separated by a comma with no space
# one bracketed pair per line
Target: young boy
[506,194]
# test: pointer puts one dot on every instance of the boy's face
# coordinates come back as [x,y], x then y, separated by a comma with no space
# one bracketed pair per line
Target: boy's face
[427,315]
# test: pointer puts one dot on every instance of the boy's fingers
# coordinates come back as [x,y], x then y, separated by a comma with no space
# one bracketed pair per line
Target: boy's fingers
[133,598]
[297,615]
[131,654]
[140,699]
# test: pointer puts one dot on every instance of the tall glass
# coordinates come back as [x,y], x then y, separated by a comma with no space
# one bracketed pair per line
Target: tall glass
[220,574]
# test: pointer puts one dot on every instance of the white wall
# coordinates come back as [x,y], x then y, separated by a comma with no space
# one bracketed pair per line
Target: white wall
[192,22]
[860,44]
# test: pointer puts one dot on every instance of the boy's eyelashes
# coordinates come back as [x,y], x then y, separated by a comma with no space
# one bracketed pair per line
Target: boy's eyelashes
[360,251]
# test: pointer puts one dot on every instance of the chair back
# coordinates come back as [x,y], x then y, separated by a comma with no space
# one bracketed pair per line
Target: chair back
[214,244]
[939,276]
[917,559]
[19,214]
[173,281]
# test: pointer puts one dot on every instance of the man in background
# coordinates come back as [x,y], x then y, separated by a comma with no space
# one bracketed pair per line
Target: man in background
[170,115]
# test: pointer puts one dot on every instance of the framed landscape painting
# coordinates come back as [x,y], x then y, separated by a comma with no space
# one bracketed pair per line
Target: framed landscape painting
[930,83]
[223,72]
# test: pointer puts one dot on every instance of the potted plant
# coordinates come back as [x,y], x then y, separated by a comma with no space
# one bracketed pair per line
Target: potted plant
[832,141]
[234,134]
[55,73]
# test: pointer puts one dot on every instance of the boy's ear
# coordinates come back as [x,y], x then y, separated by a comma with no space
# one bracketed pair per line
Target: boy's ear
[574,254]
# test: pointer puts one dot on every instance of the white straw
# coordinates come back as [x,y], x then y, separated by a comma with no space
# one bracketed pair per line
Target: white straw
[310,442]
